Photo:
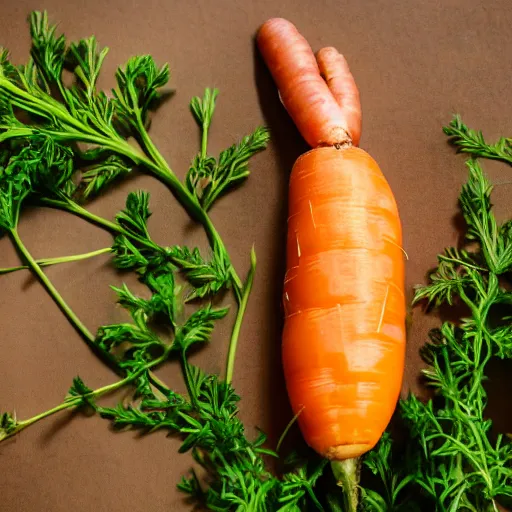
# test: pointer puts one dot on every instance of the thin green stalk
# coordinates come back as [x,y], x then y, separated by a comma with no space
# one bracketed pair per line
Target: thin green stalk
[346,473]
[33,265]
[185,369]
[233,342]
[68,404]
[75,257]
[46,262]
[70,314]
[287,429]
[204,139]
[74,208]
[160,388]
[75,401]
[165,174]
[150,148]
[8,270]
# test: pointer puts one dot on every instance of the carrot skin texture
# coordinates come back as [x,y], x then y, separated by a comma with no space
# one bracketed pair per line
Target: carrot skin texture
[303,91]
[344,333]
[334,68]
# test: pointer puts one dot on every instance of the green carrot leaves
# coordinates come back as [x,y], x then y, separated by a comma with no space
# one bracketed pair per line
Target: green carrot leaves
[198,328]
[138,91]
[100,175]
[8,425]
[136,214]
[206,277]
[473,142]
[209,178]
[86,61]
[48,50]
[203,108]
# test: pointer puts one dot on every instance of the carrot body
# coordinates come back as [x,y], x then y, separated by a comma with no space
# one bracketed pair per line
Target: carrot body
[344,333]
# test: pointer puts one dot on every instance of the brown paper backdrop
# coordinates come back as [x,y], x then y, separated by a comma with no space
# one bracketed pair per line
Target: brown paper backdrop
[415,63]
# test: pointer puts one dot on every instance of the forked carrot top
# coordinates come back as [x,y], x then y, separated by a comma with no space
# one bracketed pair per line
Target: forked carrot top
[326,112]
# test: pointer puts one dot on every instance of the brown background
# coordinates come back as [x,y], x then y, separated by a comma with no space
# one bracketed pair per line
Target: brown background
[415,62]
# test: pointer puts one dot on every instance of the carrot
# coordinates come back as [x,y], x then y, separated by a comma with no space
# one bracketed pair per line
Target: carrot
[303,91]
[343,340]
[334,68]
[344,332]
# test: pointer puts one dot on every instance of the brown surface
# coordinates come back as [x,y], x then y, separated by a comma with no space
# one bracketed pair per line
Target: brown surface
[415,63]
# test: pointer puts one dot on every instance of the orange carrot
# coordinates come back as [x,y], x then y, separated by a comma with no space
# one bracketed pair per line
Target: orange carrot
[304,93]
[344,332]
[334,68]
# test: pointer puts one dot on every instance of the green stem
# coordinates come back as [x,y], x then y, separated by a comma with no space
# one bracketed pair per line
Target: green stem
[233,343]
[150,148]
[160,390]
[8,270]
[70,314]
[185,369]
[79,400]
[46,262]
[346,473]
[204,139]
[72,207]
[161,169]
[33,265]
[68,404]
[287,428]
[75,257]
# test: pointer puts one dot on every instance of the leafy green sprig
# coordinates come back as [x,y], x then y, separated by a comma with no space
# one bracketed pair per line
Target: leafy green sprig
[209,178]
[473,142]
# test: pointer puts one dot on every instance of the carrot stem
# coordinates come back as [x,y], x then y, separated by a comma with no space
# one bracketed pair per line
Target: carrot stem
[233,343]
[46,262]
[287,429]
[57,297]
[346,473]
